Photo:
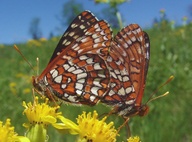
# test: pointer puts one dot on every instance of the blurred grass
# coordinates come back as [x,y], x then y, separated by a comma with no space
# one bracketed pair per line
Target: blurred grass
[169,119]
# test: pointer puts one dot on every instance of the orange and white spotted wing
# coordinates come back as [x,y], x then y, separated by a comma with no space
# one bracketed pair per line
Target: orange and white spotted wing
[128,64]
[77,72]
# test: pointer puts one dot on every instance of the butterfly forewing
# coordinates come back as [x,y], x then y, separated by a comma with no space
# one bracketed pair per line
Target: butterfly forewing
[77,72]
[75,30]
[128,63]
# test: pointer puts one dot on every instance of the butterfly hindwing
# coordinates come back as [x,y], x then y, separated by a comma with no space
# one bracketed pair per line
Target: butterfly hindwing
[128,63]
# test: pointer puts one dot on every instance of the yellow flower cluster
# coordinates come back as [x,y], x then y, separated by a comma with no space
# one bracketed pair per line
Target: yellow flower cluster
[7,133]
[88,127]
[40,113]
[92,129]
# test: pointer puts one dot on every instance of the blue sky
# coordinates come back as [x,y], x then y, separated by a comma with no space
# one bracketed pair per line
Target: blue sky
[15,16]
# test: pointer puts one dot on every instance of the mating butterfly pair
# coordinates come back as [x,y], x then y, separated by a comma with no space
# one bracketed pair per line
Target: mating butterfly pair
[89,66]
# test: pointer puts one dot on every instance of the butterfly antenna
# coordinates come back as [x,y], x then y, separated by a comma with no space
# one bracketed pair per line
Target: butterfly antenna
[37,60]
[17,49]
[165,94]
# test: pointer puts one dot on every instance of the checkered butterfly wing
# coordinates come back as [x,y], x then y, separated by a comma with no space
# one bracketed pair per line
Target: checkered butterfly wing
[77,72]
[128,64]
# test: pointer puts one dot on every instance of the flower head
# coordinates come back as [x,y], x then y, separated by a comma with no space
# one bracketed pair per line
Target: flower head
[40,113]
[133,139]
[7,133]
[92,129]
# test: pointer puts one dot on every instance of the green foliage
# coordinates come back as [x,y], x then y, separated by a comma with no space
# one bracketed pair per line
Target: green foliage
[169,118]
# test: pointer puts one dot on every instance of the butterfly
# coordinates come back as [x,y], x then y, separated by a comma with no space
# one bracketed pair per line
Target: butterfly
[128,62]
[89,66]
[77,72]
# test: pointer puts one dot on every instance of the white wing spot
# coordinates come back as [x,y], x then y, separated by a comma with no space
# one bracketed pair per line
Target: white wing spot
[133,39]
[58,79]
[92,98]
[97,66]
[84,40]
[81,81]
[111,93]
[72,98]
[95,45]
[67,43]
[79,86]
[94,36]
[68,80]
[96,82]
[121,91]
[125,78]
[63,86]
[129,102]
[94,90]
[66,66]
[97,40]
[55,73]
[77,71]
[73,25]
[71,34]
[81,75]
[89,61]
[119,77]
[128,90]
[101,75]
[82,27]
[71,69]
[83,57]
[79,92]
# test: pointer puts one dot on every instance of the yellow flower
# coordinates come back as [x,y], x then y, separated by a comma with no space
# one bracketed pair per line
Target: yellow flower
[7,133]
[133,139]
[33,42]
[39,115]
[12,87]
[94,130]
[2,45]
[89,128]
[42,39]
[26,91]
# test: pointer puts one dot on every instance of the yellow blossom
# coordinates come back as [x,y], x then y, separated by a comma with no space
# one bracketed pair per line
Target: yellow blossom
[40,113]
[2,45]
[33,42]
[89,128]
[26,91]
[92,129]
[39,116]
[12,87]
[42,39]
[133,139]
[7,133]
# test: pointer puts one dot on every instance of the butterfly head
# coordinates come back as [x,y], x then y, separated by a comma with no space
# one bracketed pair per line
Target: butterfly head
[41,88]
[144,110]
